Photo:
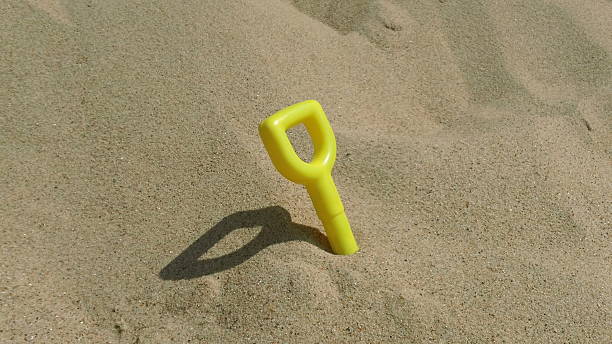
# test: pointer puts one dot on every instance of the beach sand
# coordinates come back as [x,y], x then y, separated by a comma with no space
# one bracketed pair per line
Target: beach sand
[474,163]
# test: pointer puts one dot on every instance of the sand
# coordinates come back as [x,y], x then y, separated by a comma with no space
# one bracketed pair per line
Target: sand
[474,162]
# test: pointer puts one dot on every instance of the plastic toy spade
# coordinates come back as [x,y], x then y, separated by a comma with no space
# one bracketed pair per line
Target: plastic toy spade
[315,175]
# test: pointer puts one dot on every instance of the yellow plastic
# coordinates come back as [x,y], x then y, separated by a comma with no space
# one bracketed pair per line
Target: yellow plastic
[315,175]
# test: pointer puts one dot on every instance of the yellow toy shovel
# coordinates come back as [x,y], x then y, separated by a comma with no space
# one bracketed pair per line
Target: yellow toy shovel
[315,175]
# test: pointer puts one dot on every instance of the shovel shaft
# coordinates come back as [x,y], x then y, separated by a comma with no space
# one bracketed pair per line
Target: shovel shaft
[327,203]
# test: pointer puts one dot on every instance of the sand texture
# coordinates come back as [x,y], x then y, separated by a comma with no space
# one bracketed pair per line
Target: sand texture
[138,204]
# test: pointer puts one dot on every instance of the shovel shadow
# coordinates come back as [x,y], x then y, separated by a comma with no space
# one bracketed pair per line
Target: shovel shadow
[276,227]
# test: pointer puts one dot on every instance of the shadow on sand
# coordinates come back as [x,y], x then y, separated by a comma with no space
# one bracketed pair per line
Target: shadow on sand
[276,227]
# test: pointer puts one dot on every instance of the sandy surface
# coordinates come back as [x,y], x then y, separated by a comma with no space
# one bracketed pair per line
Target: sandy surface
[474,161]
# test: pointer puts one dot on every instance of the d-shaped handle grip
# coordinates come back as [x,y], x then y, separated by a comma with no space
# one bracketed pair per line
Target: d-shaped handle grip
[273,132]
[315,175]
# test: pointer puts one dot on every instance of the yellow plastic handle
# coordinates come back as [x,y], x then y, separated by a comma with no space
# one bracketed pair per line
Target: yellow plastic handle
[315,175]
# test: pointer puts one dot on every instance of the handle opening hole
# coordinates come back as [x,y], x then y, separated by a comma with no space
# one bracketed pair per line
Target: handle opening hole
[301,141]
